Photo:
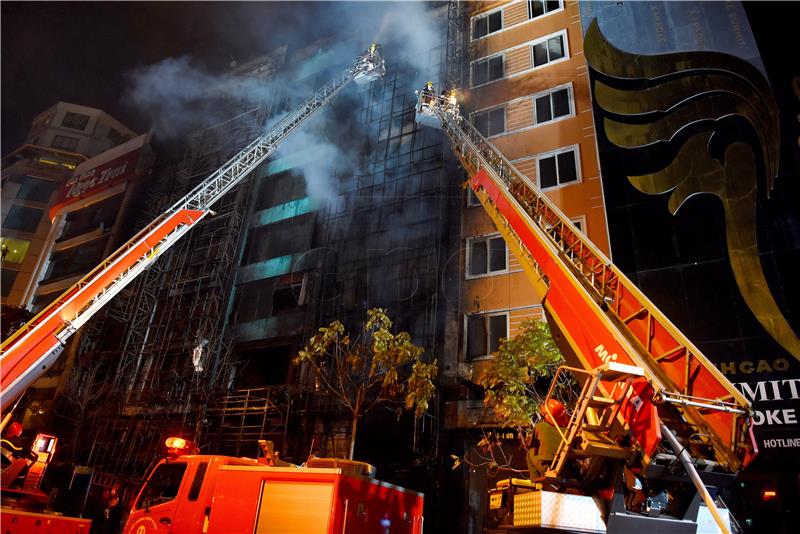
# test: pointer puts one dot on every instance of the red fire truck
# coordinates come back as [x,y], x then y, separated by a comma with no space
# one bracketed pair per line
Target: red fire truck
[188,493]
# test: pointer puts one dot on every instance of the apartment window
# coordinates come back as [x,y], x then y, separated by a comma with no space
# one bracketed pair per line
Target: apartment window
[484,333]
[552,105]
[117,138]
[537,8]
[23,218]
[472,199]
[557,169]
[13,250]
[491,122]
[7,279]
[486,24]
[487,70]
[65,143]
[548,50]
[76,260]
[75,121]
[486,255]
[35,189]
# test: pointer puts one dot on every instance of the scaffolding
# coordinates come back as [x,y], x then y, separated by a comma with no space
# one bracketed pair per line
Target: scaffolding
[238,420]
[173,358]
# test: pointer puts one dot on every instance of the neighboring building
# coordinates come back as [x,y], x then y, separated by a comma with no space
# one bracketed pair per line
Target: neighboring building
[59,140]
[720,260]
[87,220]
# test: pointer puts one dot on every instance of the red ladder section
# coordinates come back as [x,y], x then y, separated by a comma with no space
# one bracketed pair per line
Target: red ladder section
[38,342]
[602,315]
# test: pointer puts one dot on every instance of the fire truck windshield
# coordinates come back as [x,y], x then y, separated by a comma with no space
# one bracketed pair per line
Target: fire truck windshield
[162,486]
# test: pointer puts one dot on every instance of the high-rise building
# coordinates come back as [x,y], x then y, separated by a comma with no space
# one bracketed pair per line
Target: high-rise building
[526,89]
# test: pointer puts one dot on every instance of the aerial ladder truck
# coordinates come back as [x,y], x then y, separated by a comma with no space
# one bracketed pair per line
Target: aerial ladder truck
[650,402]
[30,351]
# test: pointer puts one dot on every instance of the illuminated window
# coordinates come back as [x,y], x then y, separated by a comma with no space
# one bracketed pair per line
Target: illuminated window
[65,143]
[553,104]
[537,8]
[75,121]
[486,24]
[486,255]
[23,218]
[558,168]
[483,334]
[487,70]
[13,250]
[549,50]
[491,122]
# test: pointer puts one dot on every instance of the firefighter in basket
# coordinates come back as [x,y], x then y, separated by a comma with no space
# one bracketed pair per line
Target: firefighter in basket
[546,437]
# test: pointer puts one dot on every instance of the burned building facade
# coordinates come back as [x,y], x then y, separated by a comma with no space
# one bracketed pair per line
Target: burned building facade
[360,210]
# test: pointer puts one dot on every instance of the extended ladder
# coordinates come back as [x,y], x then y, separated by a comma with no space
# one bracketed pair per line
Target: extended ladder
[601,314]
[28,353]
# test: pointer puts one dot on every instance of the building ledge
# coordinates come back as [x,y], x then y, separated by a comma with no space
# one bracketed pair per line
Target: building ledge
[79,239]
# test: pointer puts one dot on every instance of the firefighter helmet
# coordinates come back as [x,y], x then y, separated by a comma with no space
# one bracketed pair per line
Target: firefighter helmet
[14,430]
[554,412]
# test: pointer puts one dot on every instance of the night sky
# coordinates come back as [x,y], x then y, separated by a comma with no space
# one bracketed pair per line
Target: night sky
[82,52]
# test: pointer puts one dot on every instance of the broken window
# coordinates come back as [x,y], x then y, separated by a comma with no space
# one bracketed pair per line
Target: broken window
[484,332]
[486,255]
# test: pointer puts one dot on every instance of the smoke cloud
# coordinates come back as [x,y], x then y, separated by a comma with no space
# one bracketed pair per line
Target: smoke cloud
[179,95]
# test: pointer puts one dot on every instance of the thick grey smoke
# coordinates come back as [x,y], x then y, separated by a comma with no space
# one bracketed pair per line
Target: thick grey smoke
[319,160]
[180,96]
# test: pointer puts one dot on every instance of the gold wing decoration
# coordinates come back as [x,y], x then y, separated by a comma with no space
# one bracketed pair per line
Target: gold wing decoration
[691,106]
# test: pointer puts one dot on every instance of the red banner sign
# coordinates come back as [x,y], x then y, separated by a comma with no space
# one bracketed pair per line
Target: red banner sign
[108,171]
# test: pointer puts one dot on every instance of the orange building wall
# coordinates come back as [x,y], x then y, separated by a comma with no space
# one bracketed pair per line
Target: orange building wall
[524,140]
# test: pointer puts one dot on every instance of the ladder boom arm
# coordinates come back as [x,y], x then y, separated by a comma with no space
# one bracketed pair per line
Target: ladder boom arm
[601,314]
[30,351]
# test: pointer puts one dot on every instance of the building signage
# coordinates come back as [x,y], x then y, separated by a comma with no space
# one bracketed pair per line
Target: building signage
[113,167]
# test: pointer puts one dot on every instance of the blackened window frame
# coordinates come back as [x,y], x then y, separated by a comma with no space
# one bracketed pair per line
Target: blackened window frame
[488,239]
[491,339]
[487,63]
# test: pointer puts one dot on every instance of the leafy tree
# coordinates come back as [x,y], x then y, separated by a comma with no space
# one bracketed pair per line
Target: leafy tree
[375,367]
[517,378]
